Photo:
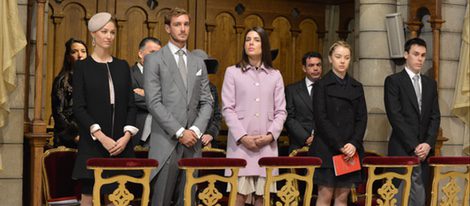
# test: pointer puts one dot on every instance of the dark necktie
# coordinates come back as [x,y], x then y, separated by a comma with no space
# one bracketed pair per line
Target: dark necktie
[311,90]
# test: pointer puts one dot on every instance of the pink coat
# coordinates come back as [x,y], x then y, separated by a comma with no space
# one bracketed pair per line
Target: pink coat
[253,104]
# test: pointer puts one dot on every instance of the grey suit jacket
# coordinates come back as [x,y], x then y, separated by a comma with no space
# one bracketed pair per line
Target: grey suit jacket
[171,105]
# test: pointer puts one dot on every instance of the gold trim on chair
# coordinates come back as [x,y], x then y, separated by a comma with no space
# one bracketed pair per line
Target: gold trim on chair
[388,191]
[450,190]
[289,194]
[47,195]
[296,151]
[121,196]
[210,196]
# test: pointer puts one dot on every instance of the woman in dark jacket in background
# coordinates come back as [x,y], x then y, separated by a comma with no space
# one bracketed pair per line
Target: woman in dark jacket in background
[65,127]
[341,117]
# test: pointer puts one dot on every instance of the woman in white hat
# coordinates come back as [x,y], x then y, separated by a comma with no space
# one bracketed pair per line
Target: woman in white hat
[103,104]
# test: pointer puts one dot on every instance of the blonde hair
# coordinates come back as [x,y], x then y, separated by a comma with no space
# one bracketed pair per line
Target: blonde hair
[175,12]
[339,43]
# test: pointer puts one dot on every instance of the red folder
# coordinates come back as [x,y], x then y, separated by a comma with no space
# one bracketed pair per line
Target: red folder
[344,167]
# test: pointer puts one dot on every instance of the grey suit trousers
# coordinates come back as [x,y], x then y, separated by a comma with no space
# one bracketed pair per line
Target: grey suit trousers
[170,180]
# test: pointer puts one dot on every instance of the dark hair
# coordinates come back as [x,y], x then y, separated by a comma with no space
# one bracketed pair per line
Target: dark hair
[175,12]
[265,49]
[147,39]
[67,65]
[414,41]
[309,55]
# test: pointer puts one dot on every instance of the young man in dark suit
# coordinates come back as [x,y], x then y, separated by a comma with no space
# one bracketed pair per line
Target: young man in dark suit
[300,124]
[413,111]
[143,119]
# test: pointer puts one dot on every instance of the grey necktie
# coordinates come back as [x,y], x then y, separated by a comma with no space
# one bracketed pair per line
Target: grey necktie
[182,67]
[417,89]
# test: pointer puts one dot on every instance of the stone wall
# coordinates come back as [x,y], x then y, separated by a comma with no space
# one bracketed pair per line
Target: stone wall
[11,135]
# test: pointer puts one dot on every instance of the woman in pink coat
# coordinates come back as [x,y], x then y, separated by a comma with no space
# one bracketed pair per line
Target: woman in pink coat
[254,109]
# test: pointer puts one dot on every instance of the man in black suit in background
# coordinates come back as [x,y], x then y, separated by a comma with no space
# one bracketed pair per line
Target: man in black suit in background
[143,120]
[300,124]
[412,107]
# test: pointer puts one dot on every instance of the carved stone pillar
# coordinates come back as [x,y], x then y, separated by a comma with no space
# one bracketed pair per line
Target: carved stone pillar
[209,30]
[343,34]
[151,26]
[436,43]
[240,38]
[321,40]
[414,27]
[120,33]
[37,136]
[295,34]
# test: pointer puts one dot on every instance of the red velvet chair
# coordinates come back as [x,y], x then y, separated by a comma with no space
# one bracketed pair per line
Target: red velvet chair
[121,196]
[210,196]
[388,191]
[289,194]
[446,171]
[58,185]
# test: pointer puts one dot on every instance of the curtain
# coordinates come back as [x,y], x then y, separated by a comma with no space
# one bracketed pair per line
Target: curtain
[12,41]
[461,103]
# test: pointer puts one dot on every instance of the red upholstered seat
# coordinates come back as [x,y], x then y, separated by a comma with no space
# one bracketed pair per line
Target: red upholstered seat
[450,160]
[121,162]
[59,187]
[211,162]
[395,160]
[289,161]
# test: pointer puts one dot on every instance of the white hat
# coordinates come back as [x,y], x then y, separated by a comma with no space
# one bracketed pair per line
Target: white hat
[98,21]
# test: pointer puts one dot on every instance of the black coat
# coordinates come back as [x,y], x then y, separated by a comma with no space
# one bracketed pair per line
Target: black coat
[213,126]
[65,127]
[340,116]
[409,127]
[299,122]
[92,106]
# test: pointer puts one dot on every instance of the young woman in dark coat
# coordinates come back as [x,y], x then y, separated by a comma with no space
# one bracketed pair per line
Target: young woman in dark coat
[103,104]
[341,117]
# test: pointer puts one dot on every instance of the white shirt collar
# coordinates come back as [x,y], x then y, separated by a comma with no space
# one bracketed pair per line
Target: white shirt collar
[174,48]
[308,83]
[141,68]
[410,73]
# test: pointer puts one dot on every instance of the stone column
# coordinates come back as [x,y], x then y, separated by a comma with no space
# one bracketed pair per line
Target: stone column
[374,66]
[453,13]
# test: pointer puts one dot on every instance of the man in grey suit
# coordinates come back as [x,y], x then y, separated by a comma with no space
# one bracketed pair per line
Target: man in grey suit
[179,99]
[143,119]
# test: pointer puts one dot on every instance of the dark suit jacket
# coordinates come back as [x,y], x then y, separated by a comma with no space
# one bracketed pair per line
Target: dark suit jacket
[138,82]
[299,122]
[213,126]
[409,127]
[340,116]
